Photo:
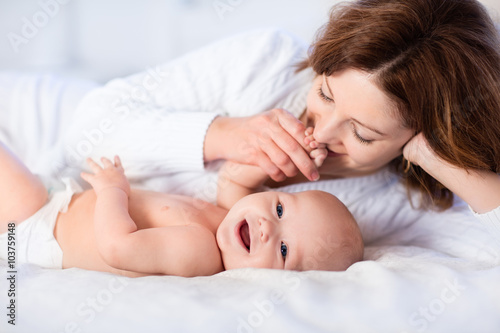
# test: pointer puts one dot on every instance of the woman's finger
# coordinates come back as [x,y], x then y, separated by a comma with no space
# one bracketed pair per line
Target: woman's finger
[265,163]
[291,141]
[290,123]
[298,156]
[279,158]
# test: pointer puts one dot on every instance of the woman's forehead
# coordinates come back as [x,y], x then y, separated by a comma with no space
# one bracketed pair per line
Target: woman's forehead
[357,93]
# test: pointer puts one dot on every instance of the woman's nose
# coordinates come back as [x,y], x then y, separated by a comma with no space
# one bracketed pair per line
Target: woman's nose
[325,132]
[326,129]
[265,228]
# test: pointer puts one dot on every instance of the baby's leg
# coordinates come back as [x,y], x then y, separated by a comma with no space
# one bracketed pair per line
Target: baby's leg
[21,192]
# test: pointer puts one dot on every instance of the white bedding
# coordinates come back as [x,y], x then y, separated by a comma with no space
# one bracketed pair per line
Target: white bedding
[396,289]
[424,276]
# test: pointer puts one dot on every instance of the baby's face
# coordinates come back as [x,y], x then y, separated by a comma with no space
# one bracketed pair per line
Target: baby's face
[282,230]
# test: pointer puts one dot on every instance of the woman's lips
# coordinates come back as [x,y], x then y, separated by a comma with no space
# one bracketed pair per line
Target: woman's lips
[332,153]
[242,232]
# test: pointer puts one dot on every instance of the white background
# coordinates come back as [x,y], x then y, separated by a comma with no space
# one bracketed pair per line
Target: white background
[102,39]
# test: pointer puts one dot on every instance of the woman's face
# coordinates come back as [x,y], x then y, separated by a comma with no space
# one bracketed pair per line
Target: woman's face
[357,122]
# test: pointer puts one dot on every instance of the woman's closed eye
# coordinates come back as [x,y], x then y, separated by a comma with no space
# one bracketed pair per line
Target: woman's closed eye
[359,137]
[323,96]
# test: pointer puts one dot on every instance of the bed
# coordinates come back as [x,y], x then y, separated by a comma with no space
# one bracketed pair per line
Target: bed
[418,275]
[397,288]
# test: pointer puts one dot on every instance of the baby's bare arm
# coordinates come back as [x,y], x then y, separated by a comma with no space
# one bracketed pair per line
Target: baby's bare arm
[189,250]
[237,181]
[112,220]
[175,250]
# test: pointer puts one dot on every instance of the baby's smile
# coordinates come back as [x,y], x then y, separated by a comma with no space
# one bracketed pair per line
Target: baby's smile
[243,234]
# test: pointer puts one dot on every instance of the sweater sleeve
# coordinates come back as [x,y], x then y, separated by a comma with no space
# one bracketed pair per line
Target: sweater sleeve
[491,220]
[156,120]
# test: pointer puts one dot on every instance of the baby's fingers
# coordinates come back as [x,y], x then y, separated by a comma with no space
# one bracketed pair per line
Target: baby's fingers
[93,165]
[107,163]
[87,177]
[118,162]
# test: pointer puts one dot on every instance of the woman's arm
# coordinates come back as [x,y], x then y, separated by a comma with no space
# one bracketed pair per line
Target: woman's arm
[161,121]
[479,188]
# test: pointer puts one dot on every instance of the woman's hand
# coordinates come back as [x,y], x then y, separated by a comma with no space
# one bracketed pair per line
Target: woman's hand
[273,140]
[111,175]
[418,151]
[479,188]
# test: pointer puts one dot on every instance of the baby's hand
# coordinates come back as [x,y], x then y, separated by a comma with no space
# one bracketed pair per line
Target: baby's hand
[318,150]
[109,176]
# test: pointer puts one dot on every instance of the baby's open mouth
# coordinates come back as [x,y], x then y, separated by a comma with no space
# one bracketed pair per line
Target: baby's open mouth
[245,234]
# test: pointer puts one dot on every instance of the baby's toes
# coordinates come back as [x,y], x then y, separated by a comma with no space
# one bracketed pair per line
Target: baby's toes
[319,155]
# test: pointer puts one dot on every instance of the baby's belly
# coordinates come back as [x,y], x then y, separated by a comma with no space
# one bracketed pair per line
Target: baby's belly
[74,232]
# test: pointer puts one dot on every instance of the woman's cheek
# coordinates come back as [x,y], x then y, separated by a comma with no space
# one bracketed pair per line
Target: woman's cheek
[361,158]
[365,155]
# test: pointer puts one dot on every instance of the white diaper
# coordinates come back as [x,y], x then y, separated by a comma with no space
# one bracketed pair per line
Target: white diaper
[34,237]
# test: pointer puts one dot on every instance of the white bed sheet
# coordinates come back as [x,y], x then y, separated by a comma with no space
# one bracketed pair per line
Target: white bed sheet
[410,288]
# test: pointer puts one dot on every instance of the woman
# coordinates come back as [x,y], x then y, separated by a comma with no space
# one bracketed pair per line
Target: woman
[414,84]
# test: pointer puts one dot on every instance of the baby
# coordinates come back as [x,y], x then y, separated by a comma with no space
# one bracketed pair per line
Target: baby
[133,232]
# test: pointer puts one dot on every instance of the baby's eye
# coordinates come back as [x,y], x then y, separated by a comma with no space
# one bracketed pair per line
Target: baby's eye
[279,210]
[284,250]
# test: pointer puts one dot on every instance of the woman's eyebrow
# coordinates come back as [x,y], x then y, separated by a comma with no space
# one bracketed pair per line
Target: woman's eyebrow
[368,127]
[326,82]
[355,120]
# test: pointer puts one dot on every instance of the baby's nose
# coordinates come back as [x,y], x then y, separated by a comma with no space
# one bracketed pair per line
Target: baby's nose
[264,229]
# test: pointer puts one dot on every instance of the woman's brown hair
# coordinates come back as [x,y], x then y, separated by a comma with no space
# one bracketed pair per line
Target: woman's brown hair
[439,61]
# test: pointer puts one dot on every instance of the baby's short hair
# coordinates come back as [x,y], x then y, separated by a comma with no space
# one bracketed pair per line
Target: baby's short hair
[341,246]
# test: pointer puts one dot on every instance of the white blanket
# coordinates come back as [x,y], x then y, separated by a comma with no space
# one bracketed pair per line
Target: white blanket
[396,289]
[429,275]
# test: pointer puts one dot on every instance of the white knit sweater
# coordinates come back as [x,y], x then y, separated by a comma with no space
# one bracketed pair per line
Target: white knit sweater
[156,121]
